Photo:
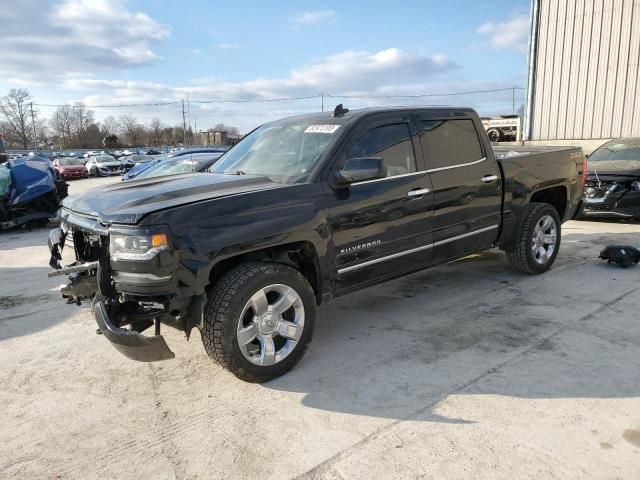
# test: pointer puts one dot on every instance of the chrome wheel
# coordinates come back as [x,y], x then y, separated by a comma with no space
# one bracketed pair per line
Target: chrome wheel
[270,325]
[545,236]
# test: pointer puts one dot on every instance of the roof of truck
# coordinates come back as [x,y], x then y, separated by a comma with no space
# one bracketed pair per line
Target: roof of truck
[357,113]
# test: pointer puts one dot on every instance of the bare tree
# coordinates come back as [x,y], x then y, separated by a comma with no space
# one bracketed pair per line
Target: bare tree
[42,130]
[61,123]
[156,129]
[82,120]
[109,125]
[15,110]
[93,135]
[129,127]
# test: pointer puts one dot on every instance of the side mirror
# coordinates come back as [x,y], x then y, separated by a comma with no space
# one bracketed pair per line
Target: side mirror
[361,169]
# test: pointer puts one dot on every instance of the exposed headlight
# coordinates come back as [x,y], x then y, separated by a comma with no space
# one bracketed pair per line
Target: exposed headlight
[635,185]
[137,246]
[590,192]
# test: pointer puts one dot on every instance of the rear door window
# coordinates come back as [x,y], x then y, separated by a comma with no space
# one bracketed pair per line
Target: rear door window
[447,143]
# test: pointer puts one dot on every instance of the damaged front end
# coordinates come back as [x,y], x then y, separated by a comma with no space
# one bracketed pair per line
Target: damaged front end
[129,275]
[612,197]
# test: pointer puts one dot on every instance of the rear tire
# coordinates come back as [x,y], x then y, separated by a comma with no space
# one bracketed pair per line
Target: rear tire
[245,313]
[494,135]
[537,240]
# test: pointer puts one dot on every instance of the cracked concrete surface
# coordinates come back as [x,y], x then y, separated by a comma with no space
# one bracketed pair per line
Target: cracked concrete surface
[468,370]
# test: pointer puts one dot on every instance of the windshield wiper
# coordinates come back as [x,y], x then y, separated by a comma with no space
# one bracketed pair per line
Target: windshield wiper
[237,172]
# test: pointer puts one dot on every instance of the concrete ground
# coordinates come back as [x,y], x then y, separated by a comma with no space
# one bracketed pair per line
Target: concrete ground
[467,370]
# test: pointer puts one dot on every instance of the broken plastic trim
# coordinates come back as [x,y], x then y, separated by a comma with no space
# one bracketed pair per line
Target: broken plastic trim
[129,343]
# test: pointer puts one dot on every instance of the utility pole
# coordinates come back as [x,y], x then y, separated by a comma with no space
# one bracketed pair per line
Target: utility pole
[195,128]
[513,100]
[33,123]
[184,126]
[322,105]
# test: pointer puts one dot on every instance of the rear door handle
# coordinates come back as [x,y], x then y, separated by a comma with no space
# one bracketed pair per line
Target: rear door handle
[489,178]
[418,193]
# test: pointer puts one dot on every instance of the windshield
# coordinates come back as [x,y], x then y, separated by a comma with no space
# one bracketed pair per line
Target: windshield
[285,151]
[169,168]
[105,158]
[622,150]
[70,161]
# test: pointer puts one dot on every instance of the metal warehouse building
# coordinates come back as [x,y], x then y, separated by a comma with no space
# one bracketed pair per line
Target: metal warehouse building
[584,82]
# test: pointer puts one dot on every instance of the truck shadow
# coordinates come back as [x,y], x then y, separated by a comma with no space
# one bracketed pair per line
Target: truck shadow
[25,237]
[30,302]
[398,349]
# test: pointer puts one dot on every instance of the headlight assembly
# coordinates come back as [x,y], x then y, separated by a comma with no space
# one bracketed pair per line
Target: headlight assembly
[137,246]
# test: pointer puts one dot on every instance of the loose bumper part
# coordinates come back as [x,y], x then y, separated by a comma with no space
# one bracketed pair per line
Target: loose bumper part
[131,344]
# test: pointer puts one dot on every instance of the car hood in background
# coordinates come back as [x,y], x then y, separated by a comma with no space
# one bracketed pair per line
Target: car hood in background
[109,164]
[615,167]
[71,168]
[128,202]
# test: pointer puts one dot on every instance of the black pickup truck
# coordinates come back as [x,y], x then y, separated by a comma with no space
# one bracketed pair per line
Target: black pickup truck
[303,210]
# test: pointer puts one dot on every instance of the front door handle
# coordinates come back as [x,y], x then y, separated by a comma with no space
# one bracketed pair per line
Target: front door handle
[489,178]
[418,193]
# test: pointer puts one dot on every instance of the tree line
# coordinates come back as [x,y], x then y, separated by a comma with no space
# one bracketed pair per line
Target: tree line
[74,126]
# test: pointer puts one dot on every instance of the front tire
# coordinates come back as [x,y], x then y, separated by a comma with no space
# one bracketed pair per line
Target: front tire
[258,320]
[537,240]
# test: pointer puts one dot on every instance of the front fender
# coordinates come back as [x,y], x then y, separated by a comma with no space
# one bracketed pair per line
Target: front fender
[210,232]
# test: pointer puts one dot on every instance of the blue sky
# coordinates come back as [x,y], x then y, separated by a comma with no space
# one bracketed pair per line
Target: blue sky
[106,52]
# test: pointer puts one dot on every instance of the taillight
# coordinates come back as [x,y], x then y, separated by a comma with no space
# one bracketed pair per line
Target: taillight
[584,171]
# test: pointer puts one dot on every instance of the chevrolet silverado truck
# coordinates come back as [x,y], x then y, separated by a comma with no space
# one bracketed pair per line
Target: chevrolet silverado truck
[303,210]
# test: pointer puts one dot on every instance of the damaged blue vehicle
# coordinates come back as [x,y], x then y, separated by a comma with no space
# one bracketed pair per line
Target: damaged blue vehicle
[30,191]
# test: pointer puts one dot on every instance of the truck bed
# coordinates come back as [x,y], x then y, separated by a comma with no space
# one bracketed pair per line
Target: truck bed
[531,169]
[508,151]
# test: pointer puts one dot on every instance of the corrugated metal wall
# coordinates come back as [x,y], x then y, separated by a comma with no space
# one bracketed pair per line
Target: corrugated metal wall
[586,83]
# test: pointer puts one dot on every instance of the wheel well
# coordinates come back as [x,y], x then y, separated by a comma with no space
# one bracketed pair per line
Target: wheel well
[299,255]
[555,196]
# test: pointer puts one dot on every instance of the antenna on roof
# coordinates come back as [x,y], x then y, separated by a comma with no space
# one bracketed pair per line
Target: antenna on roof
[339,111]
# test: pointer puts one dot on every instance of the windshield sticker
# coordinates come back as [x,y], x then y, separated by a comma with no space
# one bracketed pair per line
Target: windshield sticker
[322,128]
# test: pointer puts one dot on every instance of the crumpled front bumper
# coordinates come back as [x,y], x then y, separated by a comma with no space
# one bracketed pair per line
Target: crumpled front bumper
[131,344]
[625,205]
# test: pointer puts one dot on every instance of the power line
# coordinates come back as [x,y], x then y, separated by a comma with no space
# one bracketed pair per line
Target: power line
[427,95]
[288,99]
[123,105]
[259,100]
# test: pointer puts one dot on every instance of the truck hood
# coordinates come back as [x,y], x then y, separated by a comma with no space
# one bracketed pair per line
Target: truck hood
[629,168]
[129,202]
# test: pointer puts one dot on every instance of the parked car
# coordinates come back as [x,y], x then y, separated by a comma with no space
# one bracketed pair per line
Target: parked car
[300,211]
[104,165]
[141,166]
[30,193]
[613,184]
[194,163]
[502,128]
[130,161]
[70,167]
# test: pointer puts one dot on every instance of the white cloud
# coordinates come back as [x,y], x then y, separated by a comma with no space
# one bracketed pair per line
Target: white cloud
[313,18]
[74,36]
[386,72]
[350,71]
[512,34]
